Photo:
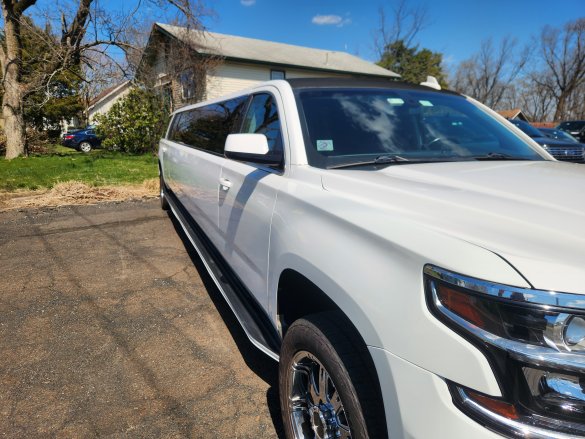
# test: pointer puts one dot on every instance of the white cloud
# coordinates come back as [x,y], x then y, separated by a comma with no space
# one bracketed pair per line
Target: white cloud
[248,2]
[330,20]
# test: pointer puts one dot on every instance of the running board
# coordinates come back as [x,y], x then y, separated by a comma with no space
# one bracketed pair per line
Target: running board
[251,316]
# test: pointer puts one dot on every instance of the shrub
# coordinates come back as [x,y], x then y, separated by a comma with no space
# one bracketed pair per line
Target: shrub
[37,141]
[134,124]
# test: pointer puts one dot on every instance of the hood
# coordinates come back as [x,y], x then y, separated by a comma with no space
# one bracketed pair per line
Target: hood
[530,213]
[552,142]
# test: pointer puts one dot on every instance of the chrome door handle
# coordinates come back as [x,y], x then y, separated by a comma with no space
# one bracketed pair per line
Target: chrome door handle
[225,184]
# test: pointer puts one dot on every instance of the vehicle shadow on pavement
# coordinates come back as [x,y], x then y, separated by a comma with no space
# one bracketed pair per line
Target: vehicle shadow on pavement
[258,362]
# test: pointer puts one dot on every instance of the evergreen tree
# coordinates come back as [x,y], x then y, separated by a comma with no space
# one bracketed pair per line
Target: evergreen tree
[412,64]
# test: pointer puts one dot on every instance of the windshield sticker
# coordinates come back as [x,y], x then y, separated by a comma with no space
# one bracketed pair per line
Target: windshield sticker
[426,103]
[324,145]
[395,101]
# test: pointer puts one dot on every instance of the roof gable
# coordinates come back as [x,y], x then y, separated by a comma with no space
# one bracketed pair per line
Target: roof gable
[515,113]
[108,92]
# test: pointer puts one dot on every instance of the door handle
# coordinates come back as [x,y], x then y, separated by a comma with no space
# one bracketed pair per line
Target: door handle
[225,184]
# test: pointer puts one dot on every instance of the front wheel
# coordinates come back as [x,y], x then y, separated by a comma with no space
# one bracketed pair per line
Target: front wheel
[327,384]
[85,147]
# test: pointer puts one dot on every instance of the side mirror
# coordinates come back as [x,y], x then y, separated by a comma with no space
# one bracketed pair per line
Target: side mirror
[251,148]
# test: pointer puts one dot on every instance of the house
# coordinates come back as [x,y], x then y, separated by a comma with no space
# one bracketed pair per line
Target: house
[102,103]
[189,65]
[516,113]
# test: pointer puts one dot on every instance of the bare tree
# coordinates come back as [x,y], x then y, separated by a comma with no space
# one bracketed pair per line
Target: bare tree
[86,30]
[575,108]
[99,72]
[394,41]
[404,25]
[488,75]
[169,61]
[563,53]
[536,101]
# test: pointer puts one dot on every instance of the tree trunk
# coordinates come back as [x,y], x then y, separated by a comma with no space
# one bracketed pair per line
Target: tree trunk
[13,118]
[12,108]
[560,110]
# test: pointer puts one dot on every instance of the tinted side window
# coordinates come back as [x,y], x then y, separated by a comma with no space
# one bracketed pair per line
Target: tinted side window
[207,127]
[234,109]
[262,118]
[206,132]
[189,132]
[175,127]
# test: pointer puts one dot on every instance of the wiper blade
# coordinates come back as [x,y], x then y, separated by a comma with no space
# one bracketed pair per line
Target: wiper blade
[380,160]
[498,156]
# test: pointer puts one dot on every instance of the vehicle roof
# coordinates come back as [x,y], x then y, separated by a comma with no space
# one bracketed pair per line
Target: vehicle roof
[299,83]
[311,83]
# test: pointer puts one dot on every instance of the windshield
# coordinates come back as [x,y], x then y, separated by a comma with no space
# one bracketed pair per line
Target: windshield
[566,136]
[527,128]
[359,125]
[574,125]
[559,134]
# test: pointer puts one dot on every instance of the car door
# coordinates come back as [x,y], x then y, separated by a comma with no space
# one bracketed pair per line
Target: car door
[93,138]
[247,195]
[197,161]
[167,151]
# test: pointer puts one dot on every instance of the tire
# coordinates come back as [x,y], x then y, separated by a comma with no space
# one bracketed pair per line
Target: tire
[164,203]
[85,147]
[346,402]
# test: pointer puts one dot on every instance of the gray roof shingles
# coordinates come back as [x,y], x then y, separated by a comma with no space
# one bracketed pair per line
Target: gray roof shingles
[250,49]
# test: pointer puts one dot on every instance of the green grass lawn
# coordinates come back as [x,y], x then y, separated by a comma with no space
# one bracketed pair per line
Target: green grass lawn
[97,168]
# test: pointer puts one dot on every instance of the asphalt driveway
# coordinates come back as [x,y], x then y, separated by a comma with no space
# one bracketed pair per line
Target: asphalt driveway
[109,326]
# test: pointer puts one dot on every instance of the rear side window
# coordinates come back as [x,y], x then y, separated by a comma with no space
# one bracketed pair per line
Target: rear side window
[175,127]
[207,127]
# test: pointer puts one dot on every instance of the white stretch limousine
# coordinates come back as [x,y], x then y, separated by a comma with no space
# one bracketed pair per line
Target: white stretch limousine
[414,261]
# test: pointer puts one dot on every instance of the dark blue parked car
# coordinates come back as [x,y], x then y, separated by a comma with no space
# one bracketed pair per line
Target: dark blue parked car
[559,149]
[83,140]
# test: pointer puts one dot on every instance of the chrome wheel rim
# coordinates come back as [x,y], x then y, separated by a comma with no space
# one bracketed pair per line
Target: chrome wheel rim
[316,410]
[85,147]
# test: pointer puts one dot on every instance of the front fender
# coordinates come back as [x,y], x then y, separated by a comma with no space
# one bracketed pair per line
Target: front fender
[376,279]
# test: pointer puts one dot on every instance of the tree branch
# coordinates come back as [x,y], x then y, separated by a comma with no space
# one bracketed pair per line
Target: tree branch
[21,6]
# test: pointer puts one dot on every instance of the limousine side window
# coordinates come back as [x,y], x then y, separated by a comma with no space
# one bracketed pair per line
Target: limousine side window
[207,127]
[175,127]
[262,118]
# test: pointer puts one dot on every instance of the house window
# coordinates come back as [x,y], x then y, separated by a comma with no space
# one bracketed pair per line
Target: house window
[277,74]
[187,81]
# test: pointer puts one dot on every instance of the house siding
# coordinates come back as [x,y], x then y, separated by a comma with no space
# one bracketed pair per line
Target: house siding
[104,106]
[230,77]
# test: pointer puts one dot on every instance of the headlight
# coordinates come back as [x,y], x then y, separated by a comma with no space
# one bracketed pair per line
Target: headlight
[535,343]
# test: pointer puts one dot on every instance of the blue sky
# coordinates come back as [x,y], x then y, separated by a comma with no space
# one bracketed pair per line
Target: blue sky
[457,26]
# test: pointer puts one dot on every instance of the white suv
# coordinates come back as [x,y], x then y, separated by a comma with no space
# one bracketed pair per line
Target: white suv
[414,261]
